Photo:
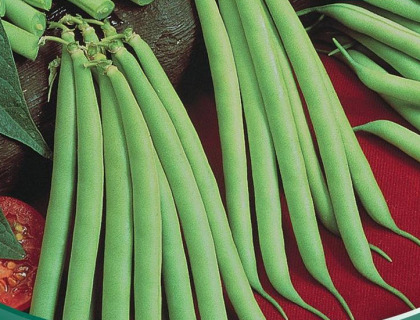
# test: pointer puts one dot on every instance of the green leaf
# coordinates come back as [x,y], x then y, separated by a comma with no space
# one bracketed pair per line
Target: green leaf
[15,119]
[10,248]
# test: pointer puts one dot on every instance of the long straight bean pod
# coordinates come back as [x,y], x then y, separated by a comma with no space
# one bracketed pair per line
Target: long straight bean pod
[187,197]
[118,252]
[90,180]
[399,136]
[61,203]
[231,132]
[409,9]
[282,127]
[21,41]
[263,163]
[365,184]
[26,17]
[176,279]
[373,25]
[237,286]
[146,201]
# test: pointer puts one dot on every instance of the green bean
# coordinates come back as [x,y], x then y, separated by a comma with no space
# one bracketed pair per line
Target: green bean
[174,263]
[320,97]
[401,88]
[142,2]
[26,17]
[146,202]
[21,41]
[119,216]
[409,24]
[236,286]
[349,224]
[409,9]
[90,178]
[62,195]
[396,134]
[2,8]
[187,197]
[231,132]
[409,112]
[263,162]
[96,9]
[373,25]
[317,183]
[286,141]
[41,4]
[406,65]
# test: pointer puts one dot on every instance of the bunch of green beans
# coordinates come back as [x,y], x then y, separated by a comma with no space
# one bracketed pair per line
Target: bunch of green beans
[160,190]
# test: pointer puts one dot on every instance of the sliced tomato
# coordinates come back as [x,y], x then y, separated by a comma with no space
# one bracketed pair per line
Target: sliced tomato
[17,277]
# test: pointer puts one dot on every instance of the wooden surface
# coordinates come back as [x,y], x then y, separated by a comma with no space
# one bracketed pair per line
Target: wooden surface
[172,30]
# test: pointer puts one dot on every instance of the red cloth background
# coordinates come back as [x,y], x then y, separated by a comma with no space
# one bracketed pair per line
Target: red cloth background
[399,178]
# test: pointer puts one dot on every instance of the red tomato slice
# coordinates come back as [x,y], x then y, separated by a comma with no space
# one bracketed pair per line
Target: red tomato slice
[17,277]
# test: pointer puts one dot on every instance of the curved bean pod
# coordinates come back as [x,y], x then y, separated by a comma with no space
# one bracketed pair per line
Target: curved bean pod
[61,203]
[373,25]
[118,214]
[26,17]
[406,8]
[229,262]
[406,65]
[396,134]
[187,197]
[146,201]
[409,112]
[398,87]
[90,179]
[41,4]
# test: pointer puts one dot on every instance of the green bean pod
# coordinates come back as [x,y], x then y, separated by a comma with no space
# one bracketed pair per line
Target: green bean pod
[406,65]
[408,23]
[396,134]
[391,85]
[21,41]
[282,127]
[365,184]
[373,25]
[231,132]
[90,180]
[146,202]
[41,4]
[175,274]
[409,9]
[26,17]
[2,8]
[263,163]
[237,286]
[187,197]
[142,2]
[96,9]
[118,252]
[61,203]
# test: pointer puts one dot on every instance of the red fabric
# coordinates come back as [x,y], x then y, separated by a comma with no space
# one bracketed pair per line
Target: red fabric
[399,178]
